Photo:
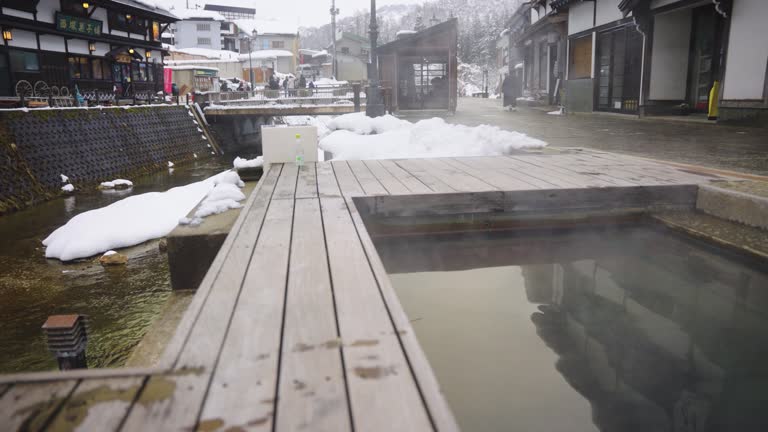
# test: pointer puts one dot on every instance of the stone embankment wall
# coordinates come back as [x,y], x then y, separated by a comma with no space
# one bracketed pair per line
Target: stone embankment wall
[89,146]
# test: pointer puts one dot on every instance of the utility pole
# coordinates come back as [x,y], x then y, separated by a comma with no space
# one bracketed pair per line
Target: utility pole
[373,106]
[334,12]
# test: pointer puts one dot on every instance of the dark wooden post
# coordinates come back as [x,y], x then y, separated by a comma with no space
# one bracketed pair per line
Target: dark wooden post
[356,96]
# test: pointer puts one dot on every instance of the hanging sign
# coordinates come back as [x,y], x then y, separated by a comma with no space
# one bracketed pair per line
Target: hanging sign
[83,26]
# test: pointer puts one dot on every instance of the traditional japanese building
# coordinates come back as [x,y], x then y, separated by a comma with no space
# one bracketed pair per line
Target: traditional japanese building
[421,68]
[109,46]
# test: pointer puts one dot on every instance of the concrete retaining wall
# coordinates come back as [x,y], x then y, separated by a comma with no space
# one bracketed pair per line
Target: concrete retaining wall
[89,146]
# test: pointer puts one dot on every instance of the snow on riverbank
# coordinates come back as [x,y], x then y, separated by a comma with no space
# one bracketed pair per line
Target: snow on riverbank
[131,221]
[358,137]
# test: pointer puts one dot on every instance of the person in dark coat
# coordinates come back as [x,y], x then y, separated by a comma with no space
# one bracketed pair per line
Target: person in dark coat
[285,86]
[302,82]
[509,100]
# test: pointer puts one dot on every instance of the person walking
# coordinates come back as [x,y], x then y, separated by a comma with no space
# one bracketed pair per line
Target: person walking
[302,82]
[285,86]
[509,100]
[311,88]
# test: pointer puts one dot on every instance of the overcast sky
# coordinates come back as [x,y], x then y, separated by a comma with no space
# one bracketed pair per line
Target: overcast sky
[306,13]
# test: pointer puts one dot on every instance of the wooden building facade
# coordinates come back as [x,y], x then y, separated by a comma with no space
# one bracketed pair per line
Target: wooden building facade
[422,68]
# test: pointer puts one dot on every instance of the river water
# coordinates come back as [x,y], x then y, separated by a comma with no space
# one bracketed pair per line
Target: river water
[120,301]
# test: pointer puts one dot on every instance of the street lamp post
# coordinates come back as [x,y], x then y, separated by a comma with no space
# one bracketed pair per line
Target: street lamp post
[373,105]
[250,55]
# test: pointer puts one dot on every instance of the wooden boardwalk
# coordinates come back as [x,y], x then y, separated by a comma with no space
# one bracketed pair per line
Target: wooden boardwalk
[296,325]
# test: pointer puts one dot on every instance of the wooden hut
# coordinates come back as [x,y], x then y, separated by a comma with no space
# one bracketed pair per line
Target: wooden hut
[421,69]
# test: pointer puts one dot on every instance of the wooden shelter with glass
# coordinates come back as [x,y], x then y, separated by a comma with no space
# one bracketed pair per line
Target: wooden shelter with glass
[421,68]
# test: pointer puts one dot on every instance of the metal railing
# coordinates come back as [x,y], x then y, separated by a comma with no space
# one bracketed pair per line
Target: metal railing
[293,96]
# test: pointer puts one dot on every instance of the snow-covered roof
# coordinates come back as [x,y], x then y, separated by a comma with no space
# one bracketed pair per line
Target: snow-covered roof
[193,67]
[207,52]
[197,62]
[150,5]
[266,54]
[266,26]
[518,66]
[199,14]
[320,54]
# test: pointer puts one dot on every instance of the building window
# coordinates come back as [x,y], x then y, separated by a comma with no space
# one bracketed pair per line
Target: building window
[204,27]
[96,69]
[580,58]
[73,7]
[155,31]
[23,5]
[24,61]
[345,50]
[79,68]
[125,22]
[203,41]
[278,44]
[265,44]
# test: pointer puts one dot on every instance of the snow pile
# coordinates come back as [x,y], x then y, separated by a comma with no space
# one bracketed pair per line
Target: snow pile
[426,139]
[329,82]
[130,221]
[116,184]
[361,124]
[170,164]
[68,188]
[557,112]
[224,196]
[64,179]
[240,163]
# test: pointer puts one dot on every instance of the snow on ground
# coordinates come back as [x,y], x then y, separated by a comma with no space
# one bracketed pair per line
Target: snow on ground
[557,112]
[130,221]
[395,138]
[248,163]
[68,188]
[361,124]
[116,183]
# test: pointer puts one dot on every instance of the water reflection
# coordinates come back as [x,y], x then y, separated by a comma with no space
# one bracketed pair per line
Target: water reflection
[652,332]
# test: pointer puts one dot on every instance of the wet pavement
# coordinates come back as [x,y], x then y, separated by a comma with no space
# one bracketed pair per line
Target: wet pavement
[743,149]
[121,301]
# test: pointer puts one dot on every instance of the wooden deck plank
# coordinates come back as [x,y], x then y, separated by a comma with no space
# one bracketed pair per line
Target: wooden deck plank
[29,407]
[326,180]
[439,411]
[493,177]
[383,394]
[456,178]
[97,404]
[572,164]
[417,170]
[413,184]
[174,347]
[287,183]
[312,392]
[391,183]
[307,185]
[369,182]
[244,385]
[347,181]
[539,167]
[198,357]
[511,168]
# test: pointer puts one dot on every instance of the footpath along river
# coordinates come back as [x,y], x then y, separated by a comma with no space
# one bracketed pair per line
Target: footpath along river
[121,301]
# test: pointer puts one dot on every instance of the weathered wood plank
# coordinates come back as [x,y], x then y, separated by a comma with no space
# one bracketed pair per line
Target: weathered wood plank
[439,411]
[29,407]
[413,184]
[312,393]
[286,185]
[4,388]
[76,374]
[174,347]
[369,182]
[455,178]
[244,385]
[390,182]
[511,168]
[326,180]
[307,185]
[552,174]
[570,163]
[347,181]
[493,177]
[418,171]
[97,405]
[383,394]
[198,357]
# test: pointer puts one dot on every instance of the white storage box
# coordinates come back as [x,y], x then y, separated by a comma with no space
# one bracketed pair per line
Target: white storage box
[278,144]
